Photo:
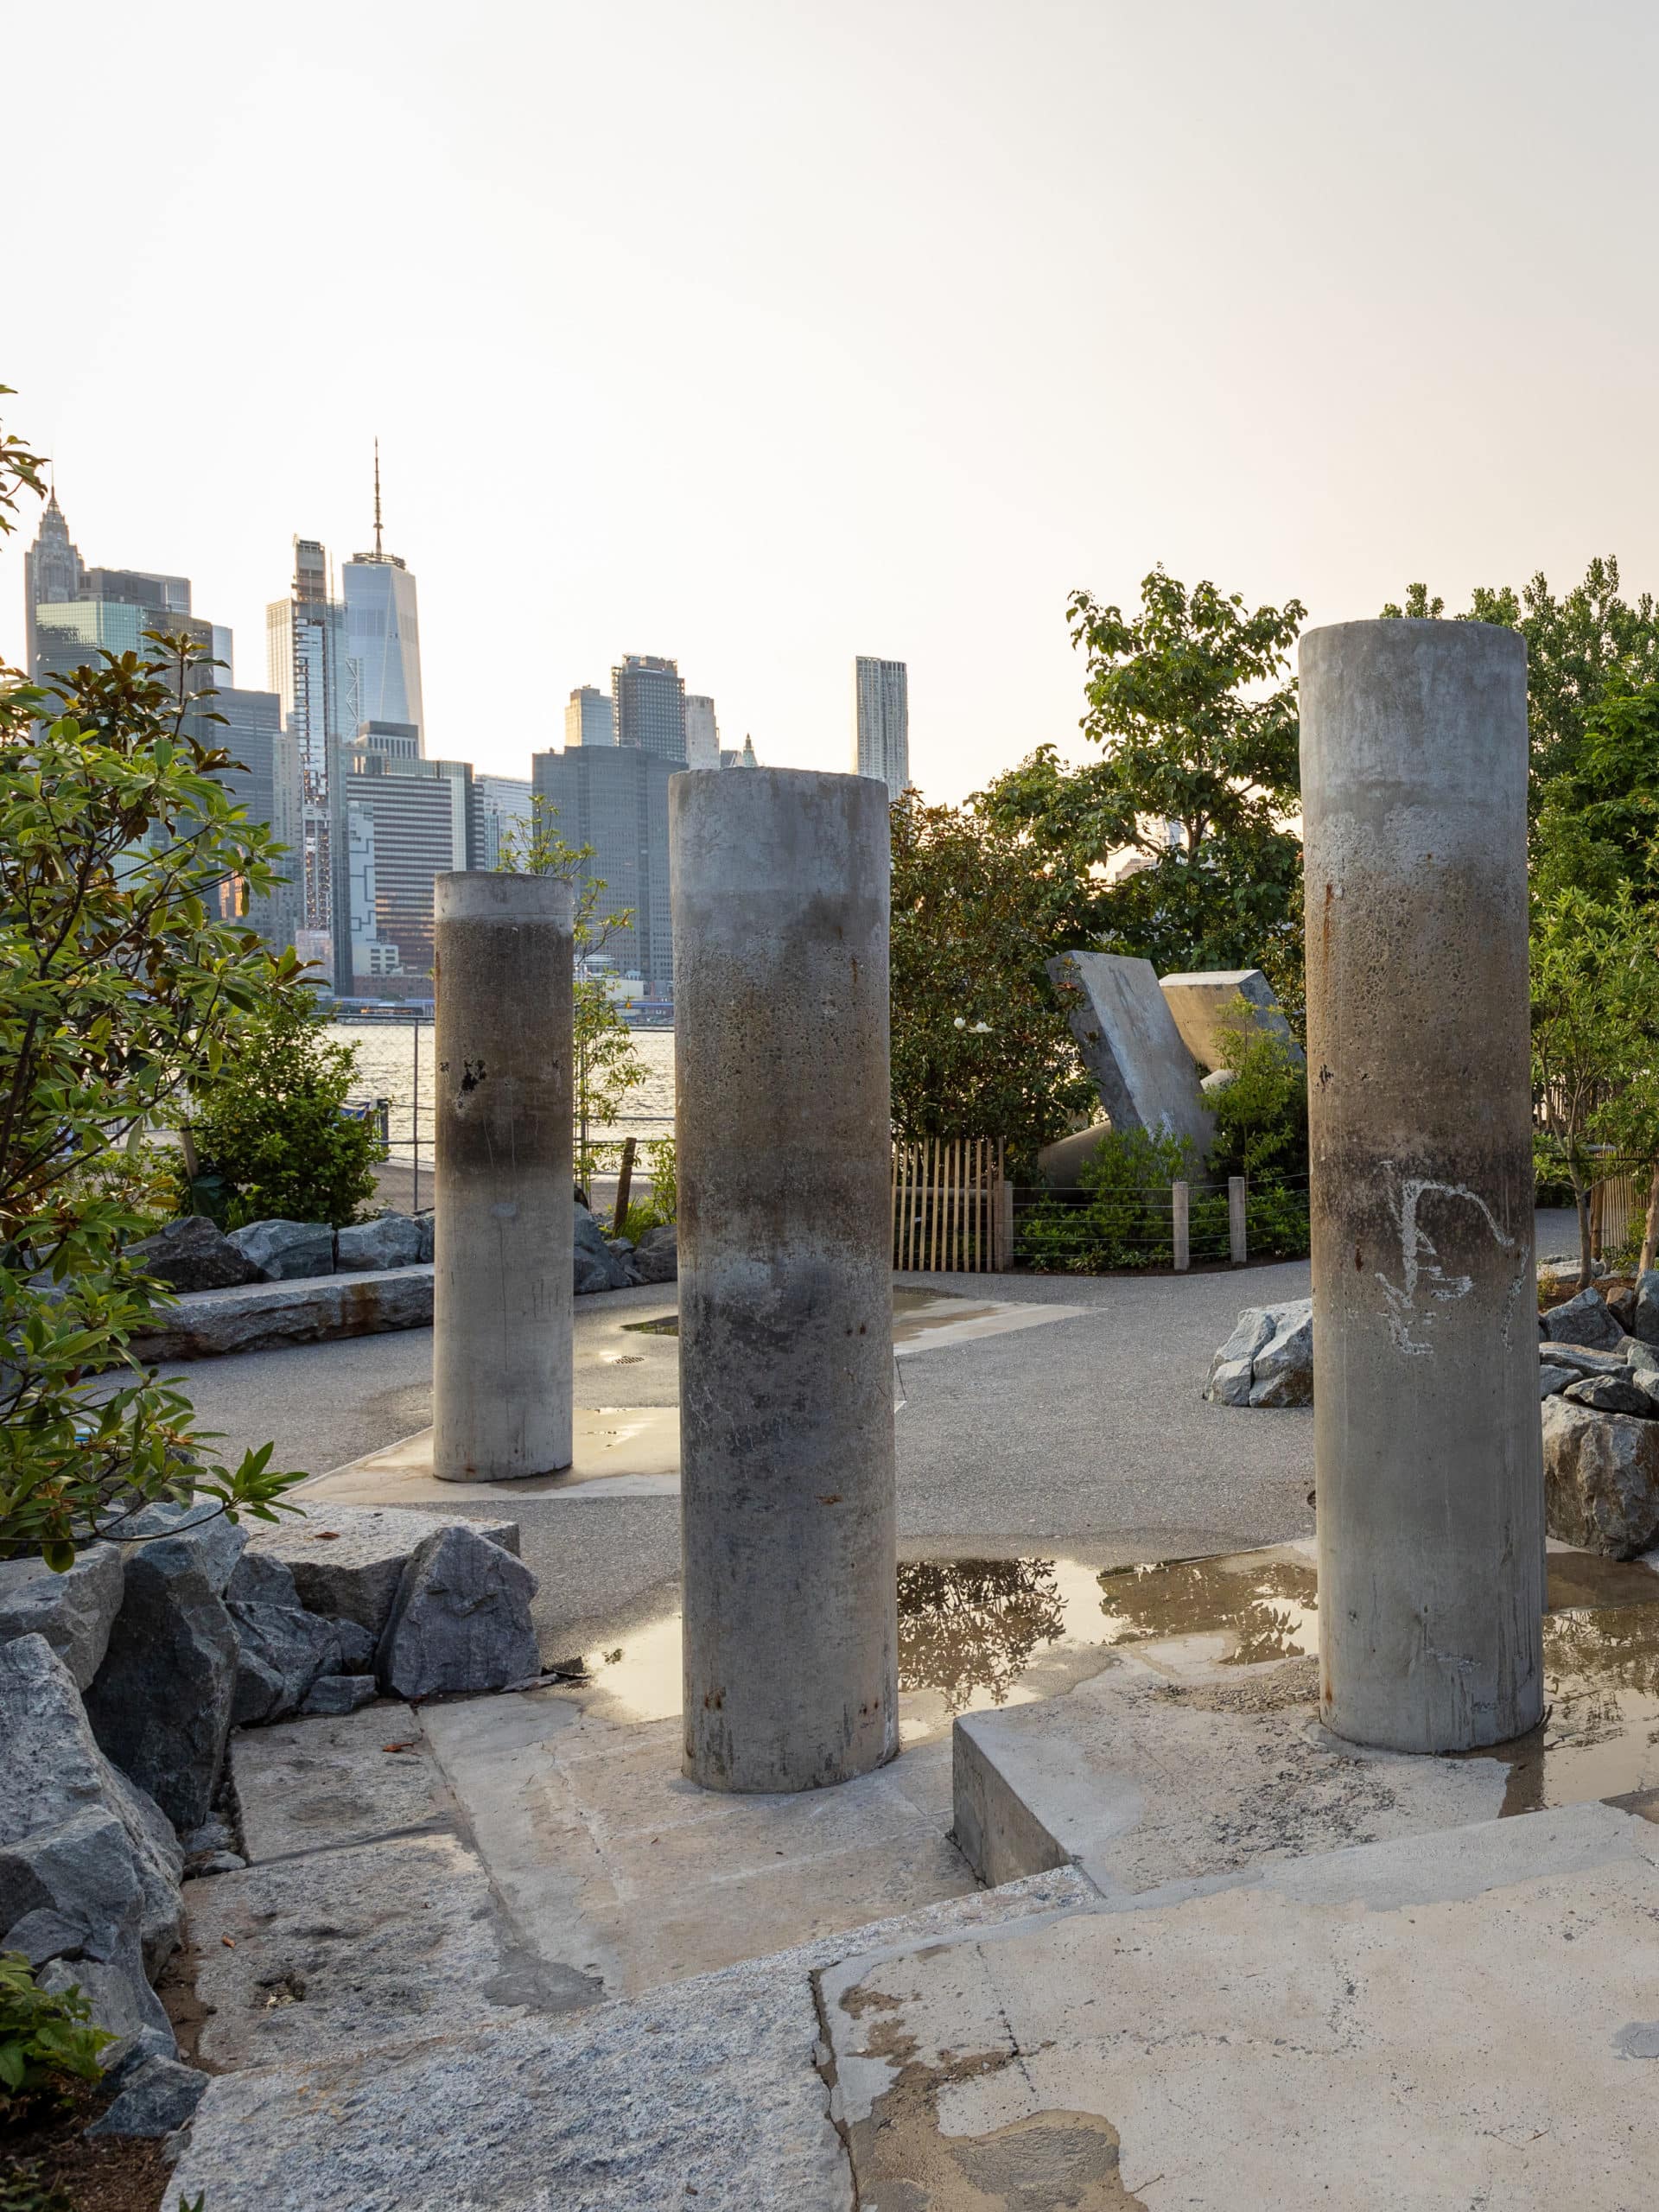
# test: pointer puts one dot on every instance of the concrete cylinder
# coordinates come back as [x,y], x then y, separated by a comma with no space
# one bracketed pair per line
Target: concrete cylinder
[1426,1438]
[504,1225]
[786,1446]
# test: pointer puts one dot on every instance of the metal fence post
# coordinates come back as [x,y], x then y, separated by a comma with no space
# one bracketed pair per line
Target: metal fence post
[1179,1217]
[1238,1249]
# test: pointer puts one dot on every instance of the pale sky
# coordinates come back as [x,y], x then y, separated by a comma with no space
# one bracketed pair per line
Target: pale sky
[763,335]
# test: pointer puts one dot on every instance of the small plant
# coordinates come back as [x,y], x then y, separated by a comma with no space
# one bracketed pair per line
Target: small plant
[269,1125]
[22,2189]
[44,2040]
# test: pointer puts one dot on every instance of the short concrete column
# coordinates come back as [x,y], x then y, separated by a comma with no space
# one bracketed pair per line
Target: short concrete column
[1238,1222]
[505,1223]
[786,1446]
[1431,1536]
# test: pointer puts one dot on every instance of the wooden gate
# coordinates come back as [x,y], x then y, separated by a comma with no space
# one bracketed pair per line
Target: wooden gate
[952,1211]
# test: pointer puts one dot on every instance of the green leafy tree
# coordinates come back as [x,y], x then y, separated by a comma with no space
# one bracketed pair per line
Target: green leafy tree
[270,1124]
[117,992]
[1261,1115]
[1191,705]
[1574,645]
[607,1062]
[1595,1038]
[980,1045]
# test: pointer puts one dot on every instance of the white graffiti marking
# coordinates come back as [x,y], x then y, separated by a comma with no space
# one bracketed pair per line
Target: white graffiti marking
[1425,1284]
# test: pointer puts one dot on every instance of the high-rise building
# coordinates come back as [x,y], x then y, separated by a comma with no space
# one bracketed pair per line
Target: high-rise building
[251,733]
[590,717]
[881,709]
[305,647]
[740,756]
[52,573]
[650,697]
[615,798]
[413,820]
[382,677]
[702,732]
[72,612]
[503,808]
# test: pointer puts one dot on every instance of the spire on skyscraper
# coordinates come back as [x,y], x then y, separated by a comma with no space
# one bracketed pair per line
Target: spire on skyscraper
[377,553]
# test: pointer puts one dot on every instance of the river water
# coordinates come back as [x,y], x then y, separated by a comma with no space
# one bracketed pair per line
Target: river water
[395,1062]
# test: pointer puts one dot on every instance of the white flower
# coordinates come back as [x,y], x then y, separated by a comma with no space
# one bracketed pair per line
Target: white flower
[981,1029]
[962,1021]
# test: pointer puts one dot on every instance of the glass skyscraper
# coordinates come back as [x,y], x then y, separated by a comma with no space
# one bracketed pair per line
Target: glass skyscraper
[650,698]
[305,635]
[881,709]
[382,636]
[590,717]
[614,798]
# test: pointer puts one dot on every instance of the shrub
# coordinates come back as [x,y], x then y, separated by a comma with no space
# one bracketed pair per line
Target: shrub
[1261,1115]
[271,1128]
[45,2041]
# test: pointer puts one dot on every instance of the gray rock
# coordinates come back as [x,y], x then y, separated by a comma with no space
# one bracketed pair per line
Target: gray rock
[1645,1321]
[426,1224]
[597,1267]
[1581,1361]
[156,2097]
[1585,1320]
[657,1256]
[73,1612]
[160,1704]
[76,1839]
[1601,1478]
[347,1560]
[284,1251]
[214,1542]
[263,1316]
[337,1694]
[212,1835]
[1282,1373]
[281,1648]
[221,1862]
[1552,1380]
[43,1934]
[1267,1360]
[122,2002]
[393,1241]
[1612,1394]
[192,1254]
[356,1643]
[461,1619]
[1231,1370]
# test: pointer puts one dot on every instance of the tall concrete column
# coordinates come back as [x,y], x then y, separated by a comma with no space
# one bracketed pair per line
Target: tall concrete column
[786,1449]
[504,1271]
[1431,1534]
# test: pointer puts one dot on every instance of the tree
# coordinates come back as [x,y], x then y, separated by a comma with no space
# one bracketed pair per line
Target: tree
[607,1063]
[117,992]
[271,1122]
[1595,1037]
[1573,647]
[980,1045]
[1199,778]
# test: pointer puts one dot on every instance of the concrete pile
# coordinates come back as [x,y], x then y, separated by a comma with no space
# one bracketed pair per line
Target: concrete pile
[120,1683]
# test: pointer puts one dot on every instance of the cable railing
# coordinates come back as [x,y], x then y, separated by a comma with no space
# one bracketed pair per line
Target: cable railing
[1171,1228]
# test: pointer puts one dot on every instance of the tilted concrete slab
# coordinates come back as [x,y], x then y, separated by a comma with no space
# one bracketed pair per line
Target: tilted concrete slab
[1447,2020]
[705,2094]
[1131,1047]
[1206,1003]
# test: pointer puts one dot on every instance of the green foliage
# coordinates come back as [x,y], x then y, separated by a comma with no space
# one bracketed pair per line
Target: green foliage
[45,2041]
[1188,701]
[1573,647]
[1261,1115]
[1595,1038]
[607,1062]
[980,1045]
[269,1122]
[119,991]
[22,2189]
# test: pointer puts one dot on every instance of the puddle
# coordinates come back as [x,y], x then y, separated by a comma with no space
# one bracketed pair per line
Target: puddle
[971,1632]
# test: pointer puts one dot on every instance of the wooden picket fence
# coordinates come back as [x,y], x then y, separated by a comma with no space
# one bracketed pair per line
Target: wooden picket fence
[952,1206]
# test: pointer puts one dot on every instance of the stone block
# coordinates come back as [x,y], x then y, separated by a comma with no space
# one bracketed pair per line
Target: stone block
[1601,1478]
[1586,1319]
[393,1241]
[262,1316]
[74,1611]
[460,1621]
[1060,1163]
[284,1250]
[77,1841]
[1611,1393]
[214,1541]
[160,1703]
[657,1256]
[193,1255]
[1131,1047]
[156,2096]
[1552,1380]
[281,1649]
[597,1267]
[347,1562]
[1205,1004]
[333,1694]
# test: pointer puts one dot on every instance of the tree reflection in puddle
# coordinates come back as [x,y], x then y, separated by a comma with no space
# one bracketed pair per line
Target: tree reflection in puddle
[1266,1609]
[968,1628]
